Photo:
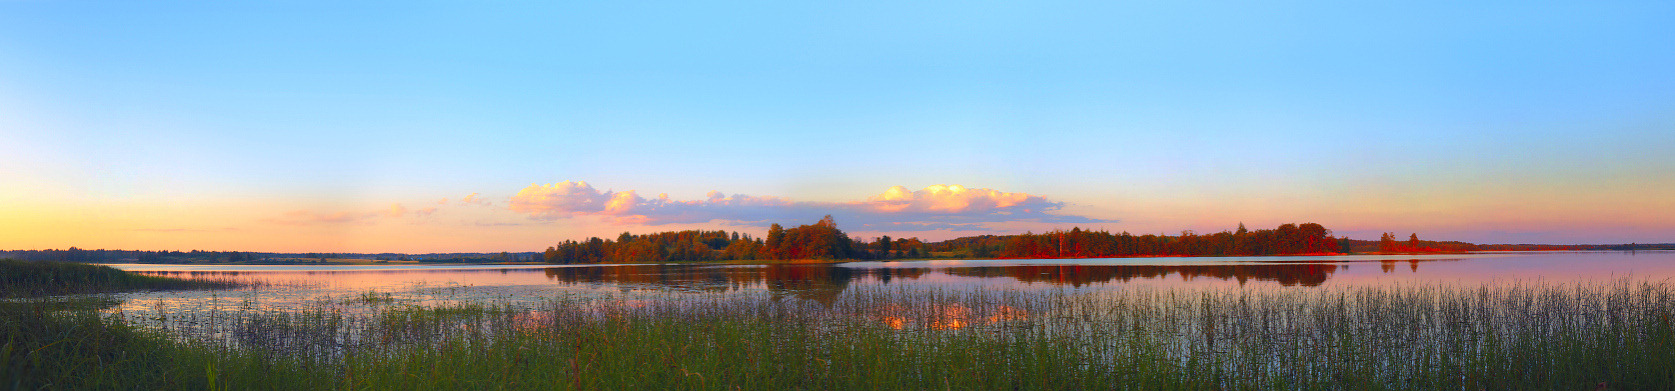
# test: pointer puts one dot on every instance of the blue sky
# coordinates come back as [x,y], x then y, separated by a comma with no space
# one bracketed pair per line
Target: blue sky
[1493,122]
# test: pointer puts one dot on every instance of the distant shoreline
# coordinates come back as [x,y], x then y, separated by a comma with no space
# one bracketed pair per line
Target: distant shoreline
[369,262]
[373,262]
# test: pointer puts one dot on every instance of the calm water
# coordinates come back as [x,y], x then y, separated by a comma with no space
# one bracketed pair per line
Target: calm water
[289,286]
[341,291]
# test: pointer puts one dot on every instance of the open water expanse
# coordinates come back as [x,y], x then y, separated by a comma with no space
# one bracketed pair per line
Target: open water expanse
[364,288]
[1447,321]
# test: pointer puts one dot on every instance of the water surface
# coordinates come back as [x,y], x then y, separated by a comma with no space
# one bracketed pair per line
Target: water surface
[943,293]
[290,285]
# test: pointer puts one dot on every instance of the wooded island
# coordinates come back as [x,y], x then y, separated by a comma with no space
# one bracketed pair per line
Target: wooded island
[824,241]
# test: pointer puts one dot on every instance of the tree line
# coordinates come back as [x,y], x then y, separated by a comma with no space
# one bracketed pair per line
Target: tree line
[823,240]
[1307,238]
[79,255]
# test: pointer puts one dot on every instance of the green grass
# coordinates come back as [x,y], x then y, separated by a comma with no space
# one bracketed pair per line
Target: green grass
[30,279]
[1524,337]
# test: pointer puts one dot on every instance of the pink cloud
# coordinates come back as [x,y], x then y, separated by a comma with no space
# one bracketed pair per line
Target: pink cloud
[950,199]
[935,207]
[473,199]
[568,199]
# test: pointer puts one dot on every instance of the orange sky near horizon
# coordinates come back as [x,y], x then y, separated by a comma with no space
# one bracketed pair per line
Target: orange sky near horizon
[494,225]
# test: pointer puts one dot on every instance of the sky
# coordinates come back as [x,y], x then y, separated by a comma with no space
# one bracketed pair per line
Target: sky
[452,126]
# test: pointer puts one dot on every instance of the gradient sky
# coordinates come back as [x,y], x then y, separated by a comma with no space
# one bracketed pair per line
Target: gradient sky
[363,127]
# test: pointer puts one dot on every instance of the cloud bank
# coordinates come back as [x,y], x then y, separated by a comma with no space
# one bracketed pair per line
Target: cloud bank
[896,209]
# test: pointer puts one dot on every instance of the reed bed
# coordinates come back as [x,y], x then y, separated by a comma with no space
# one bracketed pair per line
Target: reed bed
[45,278]
[1530,336]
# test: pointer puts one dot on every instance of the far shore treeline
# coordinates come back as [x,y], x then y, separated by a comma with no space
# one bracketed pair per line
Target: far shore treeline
[824,241]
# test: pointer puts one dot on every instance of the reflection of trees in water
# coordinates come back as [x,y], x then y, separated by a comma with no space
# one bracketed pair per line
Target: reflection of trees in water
[1389,265]
[1311,274]
[814,282]
[818,283]
[822,282]
[693,277]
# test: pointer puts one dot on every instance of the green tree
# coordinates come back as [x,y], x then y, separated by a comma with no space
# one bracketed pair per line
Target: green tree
[883,246]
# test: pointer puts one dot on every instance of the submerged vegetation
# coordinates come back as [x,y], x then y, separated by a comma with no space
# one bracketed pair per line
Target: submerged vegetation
[1502,336]
[32,278]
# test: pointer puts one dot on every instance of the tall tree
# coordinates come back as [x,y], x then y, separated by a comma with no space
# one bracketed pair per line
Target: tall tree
[776,241]
[883,246]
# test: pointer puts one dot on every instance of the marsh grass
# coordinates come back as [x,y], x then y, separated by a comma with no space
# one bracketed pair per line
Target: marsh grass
[1497,336]
[34,279]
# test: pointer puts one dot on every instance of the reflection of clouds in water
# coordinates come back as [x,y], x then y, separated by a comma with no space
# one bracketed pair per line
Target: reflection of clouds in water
[946,316]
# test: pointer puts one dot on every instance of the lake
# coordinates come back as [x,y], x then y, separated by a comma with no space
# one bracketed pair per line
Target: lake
[347,288]
[1458,320]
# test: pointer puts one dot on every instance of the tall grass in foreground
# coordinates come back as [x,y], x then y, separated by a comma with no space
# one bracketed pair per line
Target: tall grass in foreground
[28,278]
[1525,337]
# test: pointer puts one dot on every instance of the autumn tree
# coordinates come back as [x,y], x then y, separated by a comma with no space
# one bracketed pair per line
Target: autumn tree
[776,240]
[823,240]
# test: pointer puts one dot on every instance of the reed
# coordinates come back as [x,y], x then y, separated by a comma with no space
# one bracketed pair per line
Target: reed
[44,278]
[1498,336]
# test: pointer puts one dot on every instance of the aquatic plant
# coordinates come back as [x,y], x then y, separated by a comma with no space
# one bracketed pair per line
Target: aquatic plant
[41,278]
[1493,336]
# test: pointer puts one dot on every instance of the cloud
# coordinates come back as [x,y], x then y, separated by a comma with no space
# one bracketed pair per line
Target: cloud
[568,199]
[473,199]
[939,207]
[957,200]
